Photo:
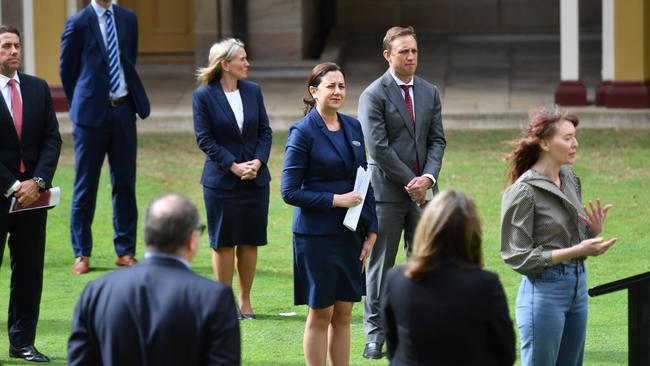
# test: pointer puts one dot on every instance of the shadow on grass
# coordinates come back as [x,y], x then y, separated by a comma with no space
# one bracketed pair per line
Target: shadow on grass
[606,357]
[297,317]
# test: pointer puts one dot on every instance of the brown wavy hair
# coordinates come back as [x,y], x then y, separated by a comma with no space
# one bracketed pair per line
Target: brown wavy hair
[448,231]
[314,79]
[542,124]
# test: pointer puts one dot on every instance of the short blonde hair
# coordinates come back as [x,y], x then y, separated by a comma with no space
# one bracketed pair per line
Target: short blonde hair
[225,50]
[449,231]
[396,32]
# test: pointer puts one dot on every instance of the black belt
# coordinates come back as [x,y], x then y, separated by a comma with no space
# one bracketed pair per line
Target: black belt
[116,102]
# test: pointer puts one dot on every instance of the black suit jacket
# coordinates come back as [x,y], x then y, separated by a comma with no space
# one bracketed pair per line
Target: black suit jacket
[156,313]
[40,144]
[453,316]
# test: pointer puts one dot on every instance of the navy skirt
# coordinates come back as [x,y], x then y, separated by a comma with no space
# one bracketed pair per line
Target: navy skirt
[326,269]
[237,216]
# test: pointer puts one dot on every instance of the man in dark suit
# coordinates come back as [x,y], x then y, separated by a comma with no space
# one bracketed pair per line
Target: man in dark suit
[98,53]
[400,115]
[29,152]
[158,312]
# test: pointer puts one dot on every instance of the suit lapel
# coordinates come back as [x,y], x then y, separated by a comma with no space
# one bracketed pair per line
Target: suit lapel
[5,115]
[420,104]
[120,28]
[225,106]
[395,96]
[355,143]
[26,90]
[93,23]
[246,99]
[323,128]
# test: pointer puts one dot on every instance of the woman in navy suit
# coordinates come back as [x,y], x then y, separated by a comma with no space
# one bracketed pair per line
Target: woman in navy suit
[322,155]
[442,308]
[232,129]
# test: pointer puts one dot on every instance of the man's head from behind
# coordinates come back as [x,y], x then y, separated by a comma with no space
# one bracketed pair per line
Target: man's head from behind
[171,226]
[401,51]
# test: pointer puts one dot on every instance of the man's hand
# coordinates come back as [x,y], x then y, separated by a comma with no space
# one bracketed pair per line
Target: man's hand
[26,193]
[417,188]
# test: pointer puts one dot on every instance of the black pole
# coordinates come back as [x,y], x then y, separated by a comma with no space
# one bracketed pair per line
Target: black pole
[239,20]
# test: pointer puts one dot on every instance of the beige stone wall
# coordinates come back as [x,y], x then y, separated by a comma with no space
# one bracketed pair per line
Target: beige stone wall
[206,26]
[275,29]
[462,15]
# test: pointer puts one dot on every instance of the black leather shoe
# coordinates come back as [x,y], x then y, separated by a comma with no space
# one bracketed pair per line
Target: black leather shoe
[372,350]
[28,353]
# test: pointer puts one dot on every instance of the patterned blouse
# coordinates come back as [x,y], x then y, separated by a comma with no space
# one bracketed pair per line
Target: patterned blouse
[537,217]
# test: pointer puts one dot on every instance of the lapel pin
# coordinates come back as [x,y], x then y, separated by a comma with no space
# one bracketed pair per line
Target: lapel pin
[356,143]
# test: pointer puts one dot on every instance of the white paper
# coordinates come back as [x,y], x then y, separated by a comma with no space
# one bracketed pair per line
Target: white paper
[361,187]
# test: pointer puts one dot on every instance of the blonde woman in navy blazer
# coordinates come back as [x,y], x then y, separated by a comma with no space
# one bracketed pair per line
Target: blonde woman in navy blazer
[323,153]
[232,129]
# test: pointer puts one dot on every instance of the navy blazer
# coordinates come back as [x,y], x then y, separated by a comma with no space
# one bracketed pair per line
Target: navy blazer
[314,170]
[218,135]
[84,65]
[156,313]
[40,145]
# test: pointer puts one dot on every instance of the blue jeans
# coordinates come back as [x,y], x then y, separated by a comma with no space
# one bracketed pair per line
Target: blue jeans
[552,316]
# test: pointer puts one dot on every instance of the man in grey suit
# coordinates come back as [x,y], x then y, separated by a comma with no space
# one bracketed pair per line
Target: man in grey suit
[402,125]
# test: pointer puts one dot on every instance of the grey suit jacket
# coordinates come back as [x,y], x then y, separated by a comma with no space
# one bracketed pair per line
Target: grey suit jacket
[392,143]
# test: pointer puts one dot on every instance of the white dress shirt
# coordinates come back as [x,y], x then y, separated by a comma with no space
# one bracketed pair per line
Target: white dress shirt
[6,95]
[122,90]
[234,99]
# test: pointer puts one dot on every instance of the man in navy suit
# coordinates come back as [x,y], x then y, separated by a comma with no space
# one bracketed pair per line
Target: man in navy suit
[158,312]
[29,152]
[98,53]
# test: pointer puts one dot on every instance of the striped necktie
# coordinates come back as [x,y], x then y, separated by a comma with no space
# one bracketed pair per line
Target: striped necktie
[113,62]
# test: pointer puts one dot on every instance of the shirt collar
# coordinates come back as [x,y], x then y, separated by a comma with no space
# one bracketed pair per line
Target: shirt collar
[167,255]
[4,80]
[99,10]
[398,81]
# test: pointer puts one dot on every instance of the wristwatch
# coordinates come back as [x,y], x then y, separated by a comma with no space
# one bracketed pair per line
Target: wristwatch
[40,182]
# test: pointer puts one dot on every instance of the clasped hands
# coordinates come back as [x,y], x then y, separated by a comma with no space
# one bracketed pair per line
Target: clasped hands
[417,189]
[246,170]
[26,193]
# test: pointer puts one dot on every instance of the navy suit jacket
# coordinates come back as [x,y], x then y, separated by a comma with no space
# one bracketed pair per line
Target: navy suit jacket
[218,135]
[156,313]
[314,170]
[451,316]
[40,144]
[84,65]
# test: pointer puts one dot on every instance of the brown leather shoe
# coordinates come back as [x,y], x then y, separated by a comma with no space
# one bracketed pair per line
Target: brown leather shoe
[81,265]
[127,260]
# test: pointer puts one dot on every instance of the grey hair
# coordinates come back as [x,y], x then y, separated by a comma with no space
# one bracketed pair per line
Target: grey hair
[225,50]
[169,221]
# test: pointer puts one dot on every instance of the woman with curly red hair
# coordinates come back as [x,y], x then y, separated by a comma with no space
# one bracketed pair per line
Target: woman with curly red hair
[546,234]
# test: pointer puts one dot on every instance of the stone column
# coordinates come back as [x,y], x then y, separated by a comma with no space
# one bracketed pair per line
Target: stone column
[607,73]
[630,85]
[570,91]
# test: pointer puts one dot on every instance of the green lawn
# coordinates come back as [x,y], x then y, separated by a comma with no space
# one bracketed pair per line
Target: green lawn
[614,165]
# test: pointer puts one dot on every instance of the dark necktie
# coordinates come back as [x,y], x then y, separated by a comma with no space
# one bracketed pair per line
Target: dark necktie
[17,111]
[111,41]
[409,105]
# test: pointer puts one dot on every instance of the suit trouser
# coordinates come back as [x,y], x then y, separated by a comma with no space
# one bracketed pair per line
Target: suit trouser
[392,219]
[26,231]
[116,137]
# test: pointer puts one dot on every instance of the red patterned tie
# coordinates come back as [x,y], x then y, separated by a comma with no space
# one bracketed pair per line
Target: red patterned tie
[17,111]
[409,105]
